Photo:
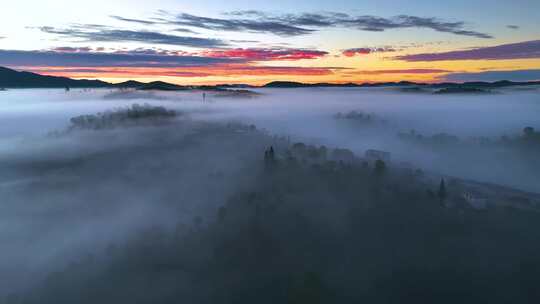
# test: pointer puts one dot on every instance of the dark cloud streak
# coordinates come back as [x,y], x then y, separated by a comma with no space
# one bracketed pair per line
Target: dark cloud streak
[139,21]
[93,59]
[520,50]
[331,19]
[366,51]
[100,34]
[239,25]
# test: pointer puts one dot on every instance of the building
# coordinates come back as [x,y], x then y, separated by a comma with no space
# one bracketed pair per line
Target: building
[374,155]
[309,154]
[343,155]
[475,200]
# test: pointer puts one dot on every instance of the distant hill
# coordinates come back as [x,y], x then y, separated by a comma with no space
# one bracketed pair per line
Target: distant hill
[161,86]
[13,79]
[463,90]
[463,86]
[165,86]
[130,84]
[236,86]
[485,85]
[393,84]
[293,84]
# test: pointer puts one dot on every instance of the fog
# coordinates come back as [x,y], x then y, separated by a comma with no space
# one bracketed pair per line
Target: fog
[307,115]
[67,193]
[32,111]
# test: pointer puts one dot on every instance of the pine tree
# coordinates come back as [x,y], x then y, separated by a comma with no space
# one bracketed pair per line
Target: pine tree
[269,158]
[271,155]
[380,168]
[442,191]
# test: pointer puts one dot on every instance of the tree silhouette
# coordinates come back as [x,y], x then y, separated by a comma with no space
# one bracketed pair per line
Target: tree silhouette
[380,168]
[442,191]
[528,131]
[271,154]
[269,157]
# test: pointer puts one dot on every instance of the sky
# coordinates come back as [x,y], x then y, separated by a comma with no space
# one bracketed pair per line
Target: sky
[255,42]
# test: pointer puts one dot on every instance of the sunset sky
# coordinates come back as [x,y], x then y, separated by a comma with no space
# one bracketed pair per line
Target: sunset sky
[254,42]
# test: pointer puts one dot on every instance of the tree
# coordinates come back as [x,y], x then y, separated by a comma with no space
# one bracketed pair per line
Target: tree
[269,158]
[442,191]
[271,154]
[528,131]
[380,167]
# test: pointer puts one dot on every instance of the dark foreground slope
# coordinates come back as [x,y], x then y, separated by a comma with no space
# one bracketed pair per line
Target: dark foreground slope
[326,232]
[14,79]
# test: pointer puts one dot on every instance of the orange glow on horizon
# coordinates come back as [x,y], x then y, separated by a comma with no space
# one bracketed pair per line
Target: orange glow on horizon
[330,69]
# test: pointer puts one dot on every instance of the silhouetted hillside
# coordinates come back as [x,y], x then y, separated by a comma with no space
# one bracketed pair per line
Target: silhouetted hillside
[462,90]
[293,84]
[236,86]
[461,86]
[13,79]
[130,84]
[162,86]
[484,85]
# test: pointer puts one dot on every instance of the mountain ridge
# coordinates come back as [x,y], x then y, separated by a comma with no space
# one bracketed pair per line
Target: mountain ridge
[14,79]
[10,78]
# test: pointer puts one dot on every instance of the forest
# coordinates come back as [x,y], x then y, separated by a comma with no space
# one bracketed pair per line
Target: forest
[306,226]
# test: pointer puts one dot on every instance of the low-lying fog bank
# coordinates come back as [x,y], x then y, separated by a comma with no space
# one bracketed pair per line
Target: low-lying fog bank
[104,178]
[175,202]
[101,197]
[308,115]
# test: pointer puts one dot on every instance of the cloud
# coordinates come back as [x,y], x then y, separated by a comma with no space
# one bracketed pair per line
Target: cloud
[400,71]
[262,54]
[68,49]
[251,70]
[380,24]
[244,41]
[238,25]
[153,51]
[306,21]
[115,72]
[139,21]
[513,27]
[150,22]
[366,51]
[104,34]
[520,50]
[516,75]
[86,62]
[135,58]
[184,30]
[216,70]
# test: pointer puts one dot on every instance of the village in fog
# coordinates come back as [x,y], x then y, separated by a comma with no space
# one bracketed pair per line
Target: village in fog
[177,188]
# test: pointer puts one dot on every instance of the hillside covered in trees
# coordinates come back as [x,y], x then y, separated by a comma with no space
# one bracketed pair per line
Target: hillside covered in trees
[307,225]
